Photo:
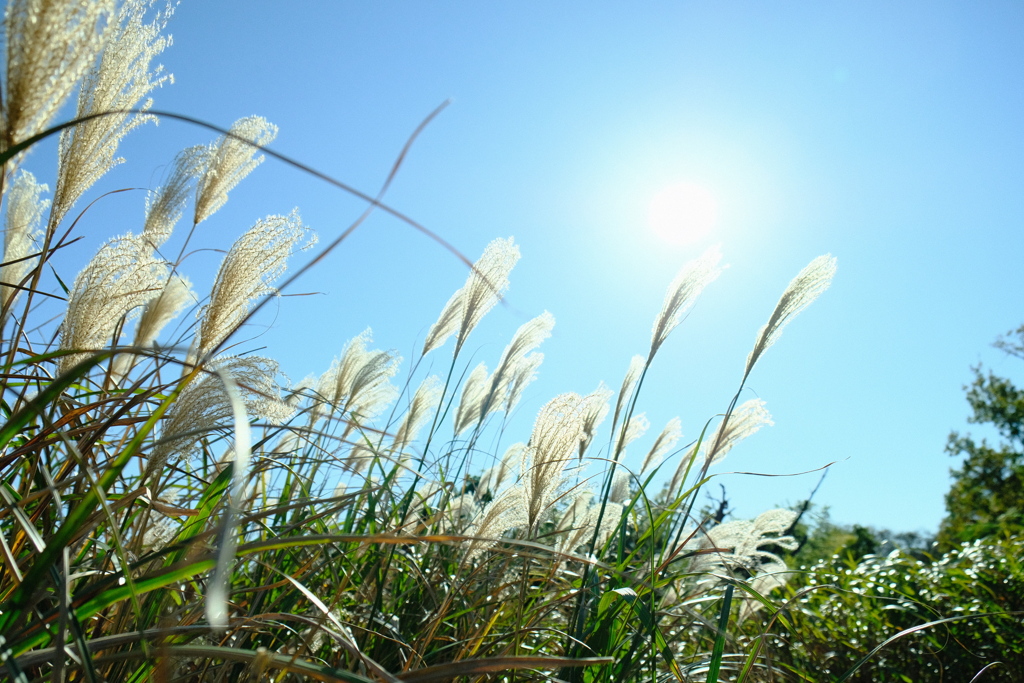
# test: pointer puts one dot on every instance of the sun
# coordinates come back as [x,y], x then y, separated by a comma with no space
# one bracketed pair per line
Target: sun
[683,213]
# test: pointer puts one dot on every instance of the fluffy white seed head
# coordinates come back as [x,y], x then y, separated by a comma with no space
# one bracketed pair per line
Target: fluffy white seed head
[474,391]
[682,294]
[744,421]
[120,80]
[165,206]
[25,210]
[801,292]
[122,277]
[231,159]
[156,314]
[493,478]
[634,429]
[595,409]
[506,512]
[665,442]
[50,44]
[741,543]
[254,261]
[423,403]
[485,285]
[514,366]
[636,367]
[553,445]
[358,384]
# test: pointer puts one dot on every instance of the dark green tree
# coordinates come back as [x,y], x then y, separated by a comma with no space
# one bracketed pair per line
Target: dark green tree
[987,496]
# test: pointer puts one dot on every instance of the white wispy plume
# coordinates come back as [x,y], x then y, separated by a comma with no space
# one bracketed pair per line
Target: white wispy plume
[523,374]
[358,384]
[493,478]
[484,287]
[528,337]
[556,437]
[744,421]
[474,391]
[254,261]
[634,429]
[231,159]
[504,513]
[25,210]
[423,403]
[665,442]
[50,44]
[165,206]
[120,80]
[595,409]
[807,286]
[682,294]
[203,406]
[156,314]
[122,277]
[636,367]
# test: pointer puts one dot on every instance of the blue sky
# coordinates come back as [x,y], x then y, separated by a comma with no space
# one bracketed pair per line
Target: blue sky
[885,133]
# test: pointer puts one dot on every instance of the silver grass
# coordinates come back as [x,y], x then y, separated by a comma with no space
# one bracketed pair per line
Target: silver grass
[165,206]
[681,470]
[359,382]
[474,391]
[462,510]
[636,367]
[504,513]
[744,421]
[122,277]
[484,287]
[740,544]
[203,406]
[523,374]
[634,429]
[24,213]
[120,80]
[231,159]
[682,294]
[424,401]
[156,314]
[493,478]
[556,437]
[594,411]
[359,456]
[619,492]
[576,525]
[254,261]
[807,286]
[666,441]
[50,44]
[528,337]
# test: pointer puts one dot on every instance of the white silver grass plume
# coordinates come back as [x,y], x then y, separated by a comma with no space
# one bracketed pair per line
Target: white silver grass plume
[666,441]
[501,515]
[119,81]
[620,490]
[576,526]
[682,294]
[50,45]
[231,159]
[122,277]
[485,285]
[528,337]
[254,261]
[740,544]
[556,437]
[24,214]
[493,478]
[595,409]
[165,206]
[801,292]
[523,374]
[156,314]
[423,403]
[636,368]
[474,391]
[359,382]
[634,429]
[203,406]
[749,417]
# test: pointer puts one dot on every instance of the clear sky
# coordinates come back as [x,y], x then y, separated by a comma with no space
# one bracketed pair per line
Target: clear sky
[889,134]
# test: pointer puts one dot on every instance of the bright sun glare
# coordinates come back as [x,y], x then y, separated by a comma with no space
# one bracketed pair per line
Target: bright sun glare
[683,213]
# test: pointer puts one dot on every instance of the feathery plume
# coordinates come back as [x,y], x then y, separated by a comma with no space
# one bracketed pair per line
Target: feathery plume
[528,337]
[807,286]
[424,401]
[165,206]
[120,80]
[523,374]
[254,261]
[634,429]
[556,436]
[492,478]
[682,470]
[744,540]
[203,406]
[474,391]
[50,45]
[485,285]
[619,492]
[682,294]
[744,421]
[231,159]
[157,312]
[665,442]
[576,526]
[594,411]
[504,513]
[24,213]
[636,367]
[359,383]
[120,278]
